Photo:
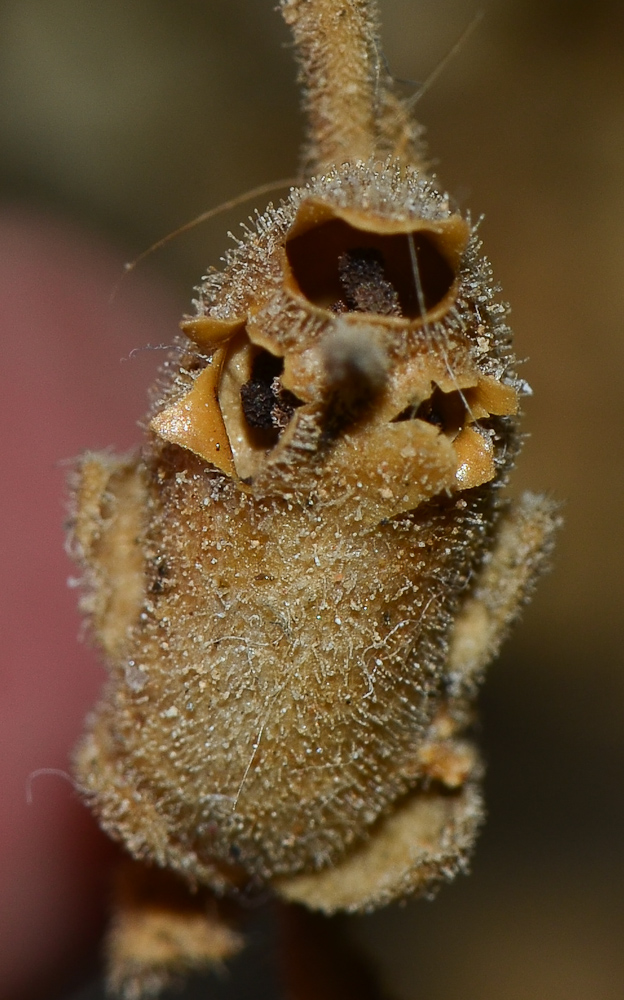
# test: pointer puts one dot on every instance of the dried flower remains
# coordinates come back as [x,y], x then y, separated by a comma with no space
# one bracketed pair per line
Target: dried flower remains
[299,580]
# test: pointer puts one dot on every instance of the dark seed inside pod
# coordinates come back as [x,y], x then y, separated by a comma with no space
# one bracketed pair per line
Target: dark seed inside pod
[361,272]
[266,405]
[342,268]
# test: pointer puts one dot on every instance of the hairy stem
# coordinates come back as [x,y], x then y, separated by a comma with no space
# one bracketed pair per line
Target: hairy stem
[337,42]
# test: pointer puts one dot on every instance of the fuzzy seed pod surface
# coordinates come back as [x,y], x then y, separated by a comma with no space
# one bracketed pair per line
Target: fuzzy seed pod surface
[298,581]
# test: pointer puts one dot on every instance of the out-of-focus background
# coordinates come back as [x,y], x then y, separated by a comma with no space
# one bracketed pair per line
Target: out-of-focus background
[118,122]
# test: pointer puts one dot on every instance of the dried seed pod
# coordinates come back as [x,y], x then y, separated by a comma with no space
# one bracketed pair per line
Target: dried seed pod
[298,581]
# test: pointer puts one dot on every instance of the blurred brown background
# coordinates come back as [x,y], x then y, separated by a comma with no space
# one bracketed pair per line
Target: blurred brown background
[131,118]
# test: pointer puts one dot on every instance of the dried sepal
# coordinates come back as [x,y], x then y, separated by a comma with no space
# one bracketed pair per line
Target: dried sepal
[526,537]
[425,838]
[160,932]
[107,531]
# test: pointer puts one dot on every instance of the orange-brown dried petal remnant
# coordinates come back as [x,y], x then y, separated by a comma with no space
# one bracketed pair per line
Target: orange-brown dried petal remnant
[475,459]
[492,397]
[195,421]
[207,332]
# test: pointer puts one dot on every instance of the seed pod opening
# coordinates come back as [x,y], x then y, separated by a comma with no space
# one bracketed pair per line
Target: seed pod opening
[346,260]
[256,407]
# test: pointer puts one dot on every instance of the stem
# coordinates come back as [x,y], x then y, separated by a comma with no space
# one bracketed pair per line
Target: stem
[317,961]
[337,42]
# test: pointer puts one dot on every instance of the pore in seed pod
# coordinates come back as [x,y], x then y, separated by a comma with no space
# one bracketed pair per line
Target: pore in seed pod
[298,581]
